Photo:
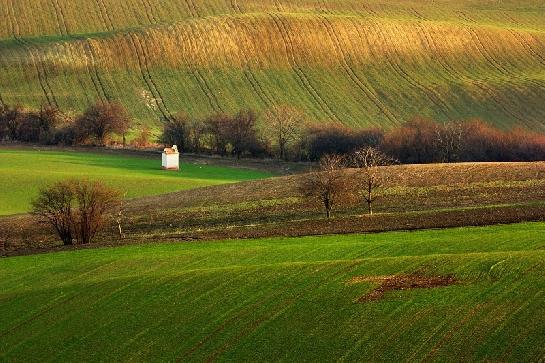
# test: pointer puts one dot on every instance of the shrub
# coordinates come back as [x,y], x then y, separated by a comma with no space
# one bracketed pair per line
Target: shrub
[75,209]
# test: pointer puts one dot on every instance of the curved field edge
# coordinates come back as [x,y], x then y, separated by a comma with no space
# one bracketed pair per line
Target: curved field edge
[282,298]
[375,65]
[28,170]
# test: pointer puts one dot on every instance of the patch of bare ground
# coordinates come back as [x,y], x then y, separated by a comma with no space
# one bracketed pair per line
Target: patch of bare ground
[415,197]
[400,282]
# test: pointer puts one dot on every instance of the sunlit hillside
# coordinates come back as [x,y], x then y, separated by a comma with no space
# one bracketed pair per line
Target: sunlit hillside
[350,61]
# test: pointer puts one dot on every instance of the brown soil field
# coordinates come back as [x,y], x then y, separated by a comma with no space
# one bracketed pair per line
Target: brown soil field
[415,197]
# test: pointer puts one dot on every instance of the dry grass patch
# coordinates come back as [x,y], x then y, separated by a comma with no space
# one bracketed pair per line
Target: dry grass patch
[400,282]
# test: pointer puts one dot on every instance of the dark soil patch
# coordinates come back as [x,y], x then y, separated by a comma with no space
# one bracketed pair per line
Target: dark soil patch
[400,282]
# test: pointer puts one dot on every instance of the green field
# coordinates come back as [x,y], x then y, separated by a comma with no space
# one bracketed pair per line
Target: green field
[281,300]
[23,172]
[361,63]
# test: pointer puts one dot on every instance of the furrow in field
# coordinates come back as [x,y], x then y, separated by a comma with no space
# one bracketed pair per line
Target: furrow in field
[145,56]
[201,81]
[148,12]
[396,63]
[193,12]
[460,76]
[483,51]
[280,307]
[530,50]
[61,19]
[105,15]
[38,65]
[243,312]
[292,60]
[258,89]
[235,6]
[93,71]
[361,84]
[146,76]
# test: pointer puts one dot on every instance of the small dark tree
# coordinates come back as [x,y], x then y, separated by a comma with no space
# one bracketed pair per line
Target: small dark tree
[75,209]
[328,185]
[371,177]
[284,127]
[242,133]
[94,201]
[54,206]
[216,128]
[176,131]
[101,120]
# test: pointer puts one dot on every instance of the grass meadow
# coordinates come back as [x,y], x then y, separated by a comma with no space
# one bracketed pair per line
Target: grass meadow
[282,299]
[24,171]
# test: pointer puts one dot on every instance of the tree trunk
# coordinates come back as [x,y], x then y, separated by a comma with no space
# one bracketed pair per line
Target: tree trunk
[370,208]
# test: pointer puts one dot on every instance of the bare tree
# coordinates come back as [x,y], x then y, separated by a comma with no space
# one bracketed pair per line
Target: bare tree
[94,201]
[103,119]
[368,160]
[328,185]
[285,126]
[75,209]
[54,206]
[450,139]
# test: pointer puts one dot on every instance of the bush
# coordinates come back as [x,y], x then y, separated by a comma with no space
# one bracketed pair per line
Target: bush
[75,209]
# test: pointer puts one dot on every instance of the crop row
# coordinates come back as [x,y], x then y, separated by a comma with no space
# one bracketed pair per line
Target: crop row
[385,68]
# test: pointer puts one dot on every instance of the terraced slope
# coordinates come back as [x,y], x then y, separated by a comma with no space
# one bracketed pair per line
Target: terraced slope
[359,63]
[305,299]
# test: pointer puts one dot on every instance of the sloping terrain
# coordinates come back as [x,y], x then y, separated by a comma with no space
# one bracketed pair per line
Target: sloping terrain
[361,63]
[24,171]
[469,294]
[416,197]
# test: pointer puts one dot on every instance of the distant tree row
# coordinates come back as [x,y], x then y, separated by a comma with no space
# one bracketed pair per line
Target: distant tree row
[50,126]
[284,133]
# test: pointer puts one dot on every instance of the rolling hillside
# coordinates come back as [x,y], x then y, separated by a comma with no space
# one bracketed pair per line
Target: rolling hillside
[467,294]
[359,63]
[133,176]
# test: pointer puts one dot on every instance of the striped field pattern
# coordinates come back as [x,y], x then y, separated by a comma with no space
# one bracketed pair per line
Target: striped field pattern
[282,300]
[361,63]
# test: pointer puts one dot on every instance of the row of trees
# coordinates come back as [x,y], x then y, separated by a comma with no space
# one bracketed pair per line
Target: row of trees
[284,133]
[50,126]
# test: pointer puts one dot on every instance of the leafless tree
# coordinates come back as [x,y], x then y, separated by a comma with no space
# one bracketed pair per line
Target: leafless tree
[103,119]
[75,209]
[55,206]
[328,185]
[284,126]
[368,162]
[450,139]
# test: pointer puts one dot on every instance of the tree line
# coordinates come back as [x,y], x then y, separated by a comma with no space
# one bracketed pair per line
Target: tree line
[284,133]
[52,127]
[281,132]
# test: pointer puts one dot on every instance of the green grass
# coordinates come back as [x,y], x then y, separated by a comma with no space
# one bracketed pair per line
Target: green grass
[23,172]
[372,63]
[281,299]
